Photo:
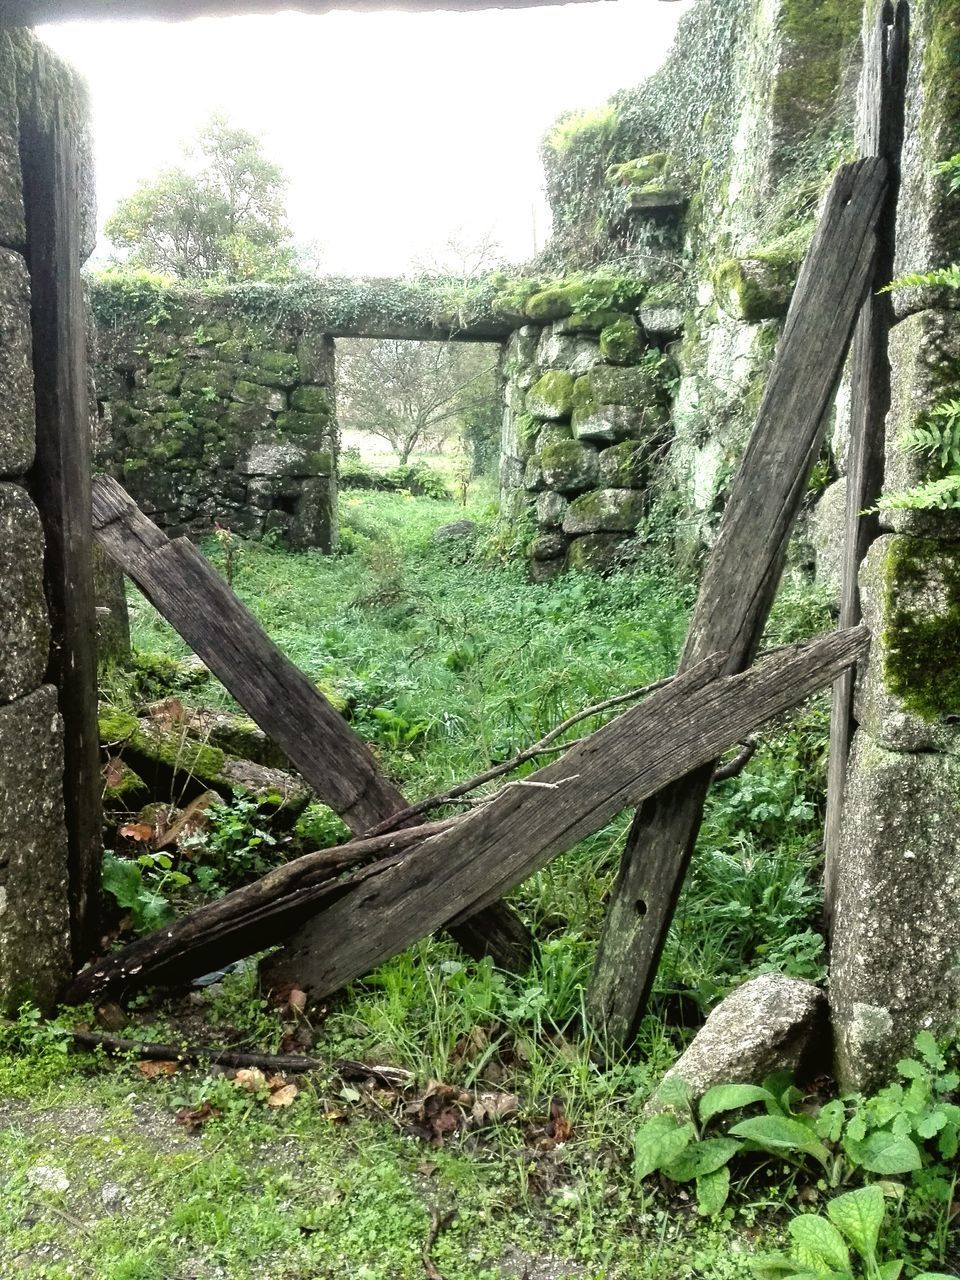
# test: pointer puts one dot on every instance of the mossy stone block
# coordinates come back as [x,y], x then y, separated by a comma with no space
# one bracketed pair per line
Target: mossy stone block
[548,546]
[609,423]
[910,694]
[621,341]
[569,466]
[623,466]
[896,927]
[302,424]
[253,393]
[556,301]
[17,434]
[924,371]
[586,322]
[34,910]
[273,368]
[638,388]
[24,623]
[605,511]
[599,552]
[316,400]
[551,396]
[165,375]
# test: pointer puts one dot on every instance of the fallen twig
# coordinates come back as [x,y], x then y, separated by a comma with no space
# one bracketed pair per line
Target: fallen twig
[438,1221]
[541,747]
[290,1063]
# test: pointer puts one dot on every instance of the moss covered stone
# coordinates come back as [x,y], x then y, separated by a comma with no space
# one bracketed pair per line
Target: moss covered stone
[605,511]
[551,396]
[302,424]
[638,387]
[621,341]
[315,400]
[551,508]
[569,466]
[271,398]
[599,552]
[548,546]
[921,635]
[624,465]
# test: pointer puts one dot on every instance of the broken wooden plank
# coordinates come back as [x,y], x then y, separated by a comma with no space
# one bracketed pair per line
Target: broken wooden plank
[453,874]
[222,631]
[742,575]
[60,486]
[882,123]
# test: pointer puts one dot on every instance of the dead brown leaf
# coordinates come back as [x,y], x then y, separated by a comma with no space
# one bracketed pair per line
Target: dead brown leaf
[140,831]
[194,1118]
[283,1097]
[251,1079]
[152,1069]
[190,821]
[113,771]
[167,713]
[489,1108]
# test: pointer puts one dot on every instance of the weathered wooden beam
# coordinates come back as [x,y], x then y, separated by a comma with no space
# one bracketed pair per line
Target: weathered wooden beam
[60,484]
[339,766]
[27,13]
[742,576]
[881,133]
[475,859]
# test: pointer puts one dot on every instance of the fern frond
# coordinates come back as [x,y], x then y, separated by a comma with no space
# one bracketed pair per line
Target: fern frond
[941,278]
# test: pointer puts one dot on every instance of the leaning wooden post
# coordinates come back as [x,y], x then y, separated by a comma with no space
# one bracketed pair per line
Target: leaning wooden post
[334,760]
[881,119]
[742,576]
[60,485]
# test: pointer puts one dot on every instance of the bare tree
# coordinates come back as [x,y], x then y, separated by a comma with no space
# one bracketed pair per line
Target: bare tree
[413,394]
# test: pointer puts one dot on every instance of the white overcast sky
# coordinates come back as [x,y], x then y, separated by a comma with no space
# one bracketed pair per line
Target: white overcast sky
[396,129]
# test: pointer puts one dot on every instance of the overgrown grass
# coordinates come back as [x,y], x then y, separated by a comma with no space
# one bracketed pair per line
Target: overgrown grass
[446,663]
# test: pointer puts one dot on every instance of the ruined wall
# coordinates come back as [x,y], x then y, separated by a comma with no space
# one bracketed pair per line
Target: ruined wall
[585,425]
[34,914]
[896,952]
[210,413]
[701,185]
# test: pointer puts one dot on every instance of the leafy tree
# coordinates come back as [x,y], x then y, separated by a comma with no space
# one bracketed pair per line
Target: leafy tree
[414,394]
[223,217]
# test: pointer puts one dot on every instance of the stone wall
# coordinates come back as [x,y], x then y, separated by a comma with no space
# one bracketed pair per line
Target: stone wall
[585,430]
[896,952]
[34,913]
[209,415]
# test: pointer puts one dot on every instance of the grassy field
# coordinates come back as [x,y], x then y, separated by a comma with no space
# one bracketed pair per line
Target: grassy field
[445,660]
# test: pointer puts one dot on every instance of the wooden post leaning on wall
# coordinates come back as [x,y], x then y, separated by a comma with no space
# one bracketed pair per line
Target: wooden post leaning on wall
[60,485]
[881,111]
[741,577]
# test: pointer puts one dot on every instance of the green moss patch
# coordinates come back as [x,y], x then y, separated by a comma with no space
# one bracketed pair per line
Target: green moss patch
[922,632]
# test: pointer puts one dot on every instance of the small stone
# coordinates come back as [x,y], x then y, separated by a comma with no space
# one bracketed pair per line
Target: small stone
[456,531]
[47,1177]
[548,546]
[771,1023]
[550,509]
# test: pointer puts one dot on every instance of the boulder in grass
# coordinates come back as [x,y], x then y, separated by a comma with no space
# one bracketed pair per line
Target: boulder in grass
[771,1023]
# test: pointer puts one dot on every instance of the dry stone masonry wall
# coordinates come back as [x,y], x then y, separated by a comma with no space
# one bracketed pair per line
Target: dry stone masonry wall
[585,427]
[212,416]
[34,912]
